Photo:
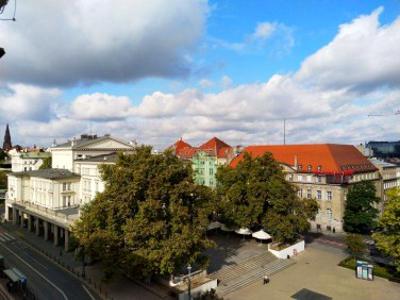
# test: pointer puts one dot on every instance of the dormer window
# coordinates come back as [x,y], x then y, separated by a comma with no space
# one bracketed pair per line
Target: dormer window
[309,168]
[319,168]
[299,167]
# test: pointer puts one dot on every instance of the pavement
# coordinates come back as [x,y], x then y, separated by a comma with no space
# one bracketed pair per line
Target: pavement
[316,275]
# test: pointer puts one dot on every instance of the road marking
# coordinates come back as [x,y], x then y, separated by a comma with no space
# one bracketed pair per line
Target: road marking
[2,239]
[9,236]
[38,262]
[37,272]
[87,291]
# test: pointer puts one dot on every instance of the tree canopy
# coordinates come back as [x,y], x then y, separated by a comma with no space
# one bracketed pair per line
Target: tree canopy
[360,215]
[388,236]
[46,163]
[256,194]
[151,218]
[3,180]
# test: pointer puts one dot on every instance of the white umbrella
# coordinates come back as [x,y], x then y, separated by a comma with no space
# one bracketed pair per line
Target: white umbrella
[243,231]
[261,235]
[214,225]
[225,228]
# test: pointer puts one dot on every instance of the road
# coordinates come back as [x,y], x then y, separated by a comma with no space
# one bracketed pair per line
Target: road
[48,280]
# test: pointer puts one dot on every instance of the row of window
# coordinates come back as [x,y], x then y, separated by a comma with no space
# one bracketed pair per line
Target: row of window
[201,171]
[305,178]
[319,194]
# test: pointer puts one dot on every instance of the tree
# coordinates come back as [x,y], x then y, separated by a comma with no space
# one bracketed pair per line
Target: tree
[355,245]
[151,218]
[360,215]
[46,163]
[388,236]
[256,194]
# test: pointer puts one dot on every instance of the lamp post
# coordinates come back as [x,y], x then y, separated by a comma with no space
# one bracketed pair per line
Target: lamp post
[189,268]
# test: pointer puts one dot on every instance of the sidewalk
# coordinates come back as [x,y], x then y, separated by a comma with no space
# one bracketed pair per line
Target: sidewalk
[120,288]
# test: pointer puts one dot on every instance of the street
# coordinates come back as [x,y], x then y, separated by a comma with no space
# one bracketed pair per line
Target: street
[46,279]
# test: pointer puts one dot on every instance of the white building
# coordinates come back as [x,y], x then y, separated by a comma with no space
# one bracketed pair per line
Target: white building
[27,161]
[48,201]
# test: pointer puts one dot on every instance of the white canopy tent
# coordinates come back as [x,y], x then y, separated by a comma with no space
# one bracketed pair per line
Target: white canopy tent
[243,231]
[225,228]
[214,225]
[261,235]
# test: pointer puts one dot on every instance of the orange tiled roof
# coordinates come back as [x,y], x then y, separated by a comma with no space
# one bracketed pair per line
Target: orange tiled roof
[218,147]
[213,146]
[323,158]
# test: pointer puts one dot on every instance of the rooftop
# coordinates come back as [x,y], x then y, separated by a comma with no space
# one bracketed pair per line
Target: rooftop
[86,140]
[52,174]
[214,147]
[314,158]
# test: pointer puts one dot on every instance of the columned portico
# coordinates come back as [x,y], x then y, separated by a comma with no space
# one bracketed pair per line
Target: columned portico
[55,236]
[37,228]
[46,230]
[29,223]
[66,239]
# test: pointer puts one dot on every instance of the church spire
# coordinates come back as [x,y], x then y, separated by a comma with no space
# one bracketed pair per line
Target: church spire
[7,139]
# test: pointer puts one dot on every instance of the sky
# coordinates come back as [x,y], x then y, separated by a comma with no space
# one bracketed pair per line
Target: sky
[155,71]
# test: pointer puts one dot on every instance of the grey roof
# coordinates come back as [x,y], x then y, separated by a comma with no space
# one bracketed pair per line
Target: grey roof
[86,140]
[53,174]
[36,154]
[381,163]
[111,157]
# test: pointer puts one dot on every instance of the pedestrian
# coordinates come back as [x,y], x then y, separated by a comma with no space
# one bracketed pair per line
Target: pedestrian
[266,279]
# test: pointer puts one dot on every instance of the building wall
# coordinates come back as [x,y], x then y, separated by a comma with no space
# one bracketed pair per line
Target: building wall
[331,197]
[21,164]
[52,194]
[205,168]
[91,181]
[62,159]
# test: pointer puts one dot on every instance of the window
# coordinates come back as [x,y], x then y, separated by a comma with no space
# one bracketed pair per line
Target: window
[319,195]
[318,179]
[319,168]
[329,213]
[309,178]
[211,171]
[309,168]
[329,195]
[299,178]
[300,193]
[64,186]
[309,195]
[299,167]
[211,182]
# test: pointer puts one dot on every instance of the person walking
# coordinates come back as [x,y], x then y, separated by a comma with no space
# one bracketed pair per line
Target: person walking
[266,279]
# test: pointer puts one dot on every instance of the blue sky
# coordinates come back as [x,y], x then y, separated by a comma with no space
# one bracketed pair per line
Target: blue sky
[312,24]
[196,69]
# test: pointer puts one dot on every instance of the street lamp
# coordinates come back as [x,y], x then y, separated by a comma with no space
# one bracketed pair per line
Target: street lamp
[189,268]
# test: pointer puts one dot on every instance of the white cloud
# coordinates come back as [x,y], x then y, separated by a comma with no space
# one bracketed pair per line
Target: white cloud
[363,55]
[264,30]
[329,109]
[27,102]
[99,106]
[67,42]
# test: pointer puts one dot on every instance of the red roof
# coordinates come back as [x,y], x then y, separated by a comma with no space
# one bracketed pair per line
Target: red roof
[214,147]
[218,147]
[314,158]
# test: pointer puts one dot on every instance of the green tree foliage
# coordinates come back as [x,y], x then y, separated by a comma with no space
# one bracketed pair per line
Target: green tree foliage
[256,193]
[151,219]
[46,163]
[388,237]
[360,215]
[355,245]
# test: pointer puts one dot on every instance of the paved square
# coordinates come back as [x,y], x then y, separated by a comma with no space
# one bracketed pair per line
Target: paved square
[317,270]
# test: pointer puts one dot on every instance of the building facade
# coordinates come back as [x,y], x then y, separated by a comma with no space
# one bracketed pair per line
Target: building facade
[205,159]
[48,201]
[27,161]
[321,171]
[390,177]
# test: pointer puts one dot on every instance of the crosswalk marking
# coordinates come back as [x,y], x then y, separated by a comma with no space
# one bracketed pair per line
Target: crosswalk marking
[6,237]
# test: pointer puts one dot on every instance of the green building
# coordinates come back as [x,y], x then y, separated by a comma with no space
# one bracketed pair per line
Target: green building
[205,159]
